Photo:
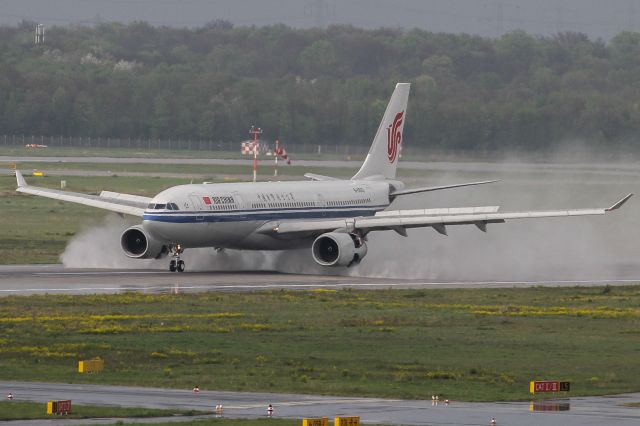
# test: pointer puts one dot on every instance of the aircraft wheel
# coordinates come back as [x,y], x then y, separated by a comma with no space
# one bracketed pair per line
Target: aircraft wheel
[172,266]
[180,266]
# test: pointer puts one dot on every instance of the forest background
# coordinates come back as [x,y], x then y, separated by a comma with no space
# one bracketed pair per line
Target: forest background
[327,86]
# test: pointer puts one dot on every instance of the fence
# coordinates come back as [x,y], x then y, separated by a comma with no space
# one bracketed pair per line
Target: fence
[294,149]
[168,144]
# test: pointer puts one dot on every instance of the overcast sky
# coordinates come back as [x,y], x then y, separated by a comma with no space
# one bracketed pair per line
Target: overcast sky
[597,18]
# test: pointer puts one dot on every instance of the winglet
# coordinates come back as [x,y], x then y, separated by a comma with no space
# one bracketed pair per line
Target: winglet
[21,181]
[619,204]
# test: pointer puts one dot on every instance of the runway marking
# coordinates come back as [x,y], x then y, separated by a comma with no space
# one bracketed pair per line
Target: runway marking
[179,287]
[316,402]
[102,273]
[408,282]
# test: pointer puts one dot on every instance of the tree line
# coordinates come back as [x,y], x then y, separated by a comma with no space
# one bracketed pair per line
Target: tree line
[319,86]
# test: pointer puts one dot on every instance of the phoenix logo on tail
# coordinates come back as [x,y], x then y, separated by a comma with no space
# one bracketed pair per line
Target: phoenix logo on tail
[394,137]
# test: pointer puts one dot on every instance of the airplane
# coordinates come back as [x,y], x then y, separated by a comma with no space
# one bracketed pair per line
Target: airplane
[331,216]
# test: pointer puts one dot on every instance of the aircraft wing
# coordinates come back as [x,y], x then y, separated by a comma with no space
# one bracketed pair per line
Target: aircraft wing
[439,219]
[120,203]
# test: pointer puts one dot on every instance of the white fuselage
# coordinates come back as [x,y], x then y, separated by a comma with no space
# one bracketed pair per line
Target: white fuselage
[227,215]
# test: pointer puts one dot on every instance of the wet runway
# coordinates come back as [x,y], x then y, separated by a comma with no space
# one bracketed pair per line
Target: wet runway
[40,279]
[581,411]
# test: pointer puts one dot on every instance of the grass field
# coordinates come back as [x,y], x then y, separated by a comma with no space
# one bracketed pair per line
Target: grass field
[461,344]
[265,169]
[21,410]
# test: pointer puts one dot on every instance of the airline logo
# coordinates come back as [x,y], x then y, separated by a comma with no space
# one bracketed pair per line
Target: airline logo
[217,200]
[394,137]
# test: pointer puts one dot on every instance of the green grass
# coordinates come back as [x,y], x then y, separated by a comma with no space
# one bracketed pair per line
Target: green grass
[478,344]
[21,410]
[265,169]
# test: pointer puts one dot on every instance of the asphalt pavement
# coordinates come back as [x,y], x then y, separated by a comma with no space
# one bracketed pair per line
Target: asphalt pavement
[581,411]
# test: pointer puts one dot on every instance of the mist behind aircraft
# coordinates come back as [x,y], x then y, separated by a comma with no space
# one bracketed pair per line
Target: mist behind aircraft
[546,249]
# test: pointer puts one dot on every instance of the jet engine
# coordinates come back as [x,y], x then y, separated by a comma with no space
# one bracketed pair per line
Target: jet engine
[138,244]
[338,249]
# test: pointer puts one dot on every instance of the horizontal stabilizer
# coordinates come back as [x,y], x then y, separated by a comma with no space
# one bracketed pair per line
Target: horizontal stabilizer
[314,176]
[437,188]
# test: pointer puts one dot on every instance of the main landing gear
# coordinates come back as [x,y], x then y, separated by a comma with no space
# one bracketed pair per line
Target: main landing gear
[176,264]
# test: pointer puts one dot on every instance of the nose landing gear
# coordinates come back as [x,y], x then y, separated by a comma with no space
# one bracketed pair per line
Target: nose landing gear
[176,264]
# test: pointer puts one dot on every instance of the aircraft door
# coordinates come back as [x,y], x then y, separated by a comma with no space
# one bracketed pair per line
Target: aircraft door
[240,203]
[321,202]
[196,206]
[239,200]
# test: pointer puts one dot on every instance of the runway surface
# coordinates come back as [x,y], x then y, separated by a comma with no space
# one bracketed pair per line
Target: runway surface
[581,411]
[40,279]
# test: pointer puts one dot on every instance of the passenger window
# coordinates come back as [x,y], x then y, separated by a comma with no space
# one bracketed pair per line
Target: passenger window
[160,206]
[151,206]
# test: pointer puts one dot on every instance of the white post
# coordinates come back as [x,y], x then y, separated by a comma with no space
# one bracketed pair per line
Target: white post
[255,160]
[276,153]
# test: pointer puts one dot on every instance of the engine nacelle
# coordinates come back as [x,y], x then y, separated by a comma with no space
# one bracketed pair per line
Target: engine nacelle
[338,249]
[138,244]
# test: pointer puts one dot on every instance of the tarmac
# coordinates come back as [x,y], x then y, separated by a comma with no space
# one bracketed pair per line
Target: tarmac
[56,279]
[577,411]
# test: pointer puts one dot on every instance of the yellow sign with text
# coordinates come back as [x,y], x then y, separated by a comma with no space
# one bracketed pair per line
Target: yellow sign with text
[346,421]
[91,366]
[317,421]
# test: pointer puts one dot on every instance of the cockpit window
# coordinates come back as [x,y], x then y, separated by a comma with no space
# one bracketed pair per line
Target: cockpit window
[168,206]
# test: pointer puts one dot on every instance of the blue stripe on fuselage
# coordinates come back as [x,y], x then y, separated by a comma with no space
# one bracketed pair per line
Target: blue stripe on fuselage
[247,215]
